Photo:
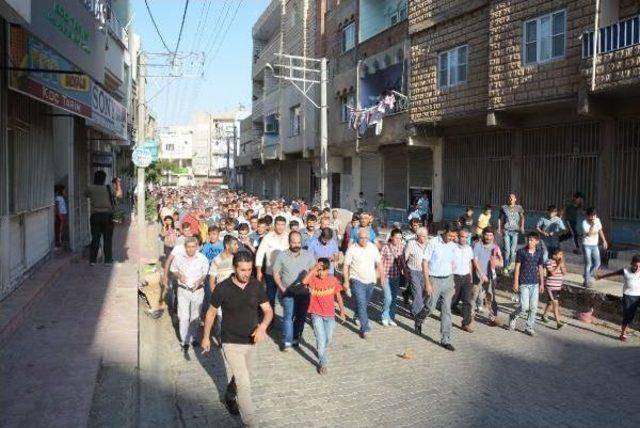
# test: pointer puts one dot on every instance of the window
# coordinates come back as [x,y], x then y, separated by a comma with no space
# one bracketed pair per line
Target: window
[294,121]
[349,37]
[169,147]
[346,102]
[544,38]
[452,67]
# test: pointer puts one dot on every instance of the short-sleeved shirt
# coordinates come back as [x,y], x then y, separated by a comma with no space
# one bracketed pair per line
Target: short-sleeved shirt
[221,268]
[100,198]
[482,223]
[554,277]
[306,238]
[293,268]
[631,285]
[552,225]
[328,250]
[61,205]
[441,256]
[511,216]
[190,268]
[464,255]
[594,237]
[323,291]
[362,262]
[487,256]
[354,234]
[212,249]
[529,264]
[240,307]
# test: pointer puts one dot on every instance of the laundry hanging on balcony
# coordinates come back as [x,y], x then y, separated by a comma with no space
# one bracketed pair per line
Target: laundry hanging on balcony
[361,119]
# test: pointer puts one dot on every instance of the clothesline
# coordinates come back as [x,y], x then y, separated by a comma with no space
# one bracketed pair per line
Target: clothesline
[361,119]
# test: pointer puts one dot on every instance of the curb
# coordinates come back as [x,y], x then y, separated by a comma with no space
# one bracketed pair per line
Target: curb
[18,304]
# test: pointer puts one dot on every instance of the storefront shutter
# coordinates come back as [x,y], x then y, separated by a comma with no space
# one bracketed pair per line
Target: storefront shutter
[395,178]
[420,167]
[370,179]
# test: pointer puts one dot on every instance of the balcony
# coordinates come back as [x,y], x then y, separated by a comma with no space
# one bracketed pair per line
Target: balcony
[269,21]
[617,65]
[377,16]
[257,110]
[266,55]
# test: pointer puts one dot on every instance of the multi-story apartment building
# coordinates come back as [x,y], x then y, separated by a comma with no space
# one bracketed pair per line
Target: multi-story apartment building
[276,154]
[214,142]
[503,92]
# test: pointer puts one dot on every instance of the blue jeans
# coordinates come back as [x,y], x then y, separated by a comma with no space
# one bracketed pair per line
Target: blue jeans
[323,330]
[591,262]
[362,293]
[294,313]
[510,247]
[272,289]
[528,303]
[390,289]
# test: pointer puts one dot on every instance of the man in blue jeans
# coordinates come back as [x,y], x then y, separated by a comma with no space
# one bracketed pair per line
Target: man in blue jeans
[510,223]
[528,280]
[362,268]
[290,268]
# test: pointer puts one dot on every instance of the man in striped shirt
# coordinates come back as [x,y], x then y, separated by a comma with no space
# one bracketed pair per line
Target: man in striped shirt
[413,255]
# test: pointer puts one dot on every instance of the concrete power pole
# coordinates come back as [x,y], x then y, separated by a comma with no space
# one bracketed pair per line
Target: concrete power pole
[142,117]
[324,139]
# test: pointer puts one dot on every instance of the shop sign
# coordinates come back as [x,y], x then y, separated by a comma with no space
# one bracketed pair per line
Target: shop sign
[71,92]
[108,114]
[73,30]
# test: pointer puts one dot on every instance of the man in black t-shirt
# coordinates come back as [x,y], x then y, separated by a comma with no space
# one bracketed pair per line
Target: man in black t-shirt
[239,297]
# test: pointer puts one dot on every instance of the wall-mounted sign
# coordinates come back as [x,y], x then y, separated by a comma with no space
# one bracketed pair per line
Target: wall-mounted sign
[71,92]
[108,114]
[73,30]
[141,157]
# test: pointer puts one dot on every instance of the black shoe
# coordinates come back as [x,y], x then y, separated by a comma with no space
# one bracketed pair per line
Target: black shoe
[448,346]
[418,328]
[232,407]
[185,348]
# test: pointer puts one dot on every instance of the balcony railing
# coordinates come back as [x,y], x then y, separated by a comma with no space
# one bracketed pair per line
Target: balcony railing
[119,32]
[618,35]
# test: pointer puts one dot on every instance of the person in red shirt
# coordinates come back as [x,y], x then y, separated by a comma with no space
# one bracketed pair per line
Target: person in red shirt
[323,287]
[192,219]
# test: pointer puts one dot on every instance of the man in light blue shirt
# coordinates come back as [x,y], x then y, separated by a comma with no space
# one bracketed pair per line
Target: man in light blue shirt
[550,228]
[438,265]
[325,246]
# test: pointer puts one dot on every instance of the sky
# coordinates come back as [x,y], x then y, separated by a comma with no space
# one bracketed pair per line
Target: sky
[212,27]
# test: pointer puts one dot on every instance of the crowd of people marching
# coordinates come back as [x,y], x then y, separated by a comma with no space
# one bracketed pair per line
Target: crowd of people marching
[230,258]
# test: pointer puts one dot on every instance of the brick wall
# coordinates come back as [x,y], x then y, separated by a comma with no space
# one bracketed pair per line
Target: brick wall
[429,103]
[511,83]
[426,13]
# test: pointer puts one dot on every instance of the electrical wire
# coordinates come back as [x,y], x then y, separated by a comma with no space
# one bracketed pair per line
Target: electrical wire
[184,18]
[155,25]
[224,36]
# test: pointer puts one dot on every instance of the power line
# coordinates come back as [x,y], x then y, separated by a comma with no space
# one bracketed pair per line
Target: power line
[184,18]
[155,25]
[224,36]
[218,26]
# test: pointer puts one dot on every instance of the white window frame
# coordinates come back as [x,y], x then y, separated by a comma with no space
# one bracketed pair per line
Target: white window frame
[295,121]
[349,28]
[453,64]
[541,40]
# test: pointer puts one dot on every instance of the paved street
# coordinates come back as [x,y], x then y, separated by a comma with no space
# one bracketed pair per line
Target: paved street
[579,376]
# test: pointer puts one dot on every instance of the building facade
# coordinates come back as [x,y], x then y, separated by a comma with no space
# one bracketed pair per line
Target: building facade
[507,90]
[63,113]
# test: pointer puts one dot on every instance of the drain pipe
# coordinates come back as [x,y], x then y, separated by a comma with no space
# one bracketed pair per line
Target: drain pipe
[596,44]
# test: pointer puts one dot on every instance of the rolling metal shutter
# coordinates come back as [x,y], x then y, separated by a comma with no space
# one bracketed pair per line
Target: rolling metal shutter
[394,178]
[82,234]
[420,167]
[304,180]
[369,179]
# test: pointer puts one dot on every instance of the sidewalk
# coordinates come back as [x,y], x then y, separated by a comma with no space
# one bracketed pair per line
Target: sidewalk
[87,317]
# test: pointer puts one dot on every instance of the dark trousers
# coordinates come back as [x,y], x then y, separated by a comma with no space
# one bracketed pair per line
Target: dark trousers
[101,227]
[630,305]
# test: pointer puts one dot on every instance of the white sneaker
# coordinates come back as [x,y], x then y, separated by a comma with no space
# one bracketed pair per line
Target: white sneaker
[392,323]
[385,323]
[512,323]
[356,321]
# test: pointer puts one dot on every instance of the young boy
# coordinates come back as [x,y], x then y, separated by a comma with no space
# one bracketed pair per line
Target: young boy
[556,270]
[484,219]
[528,280]
[630,293]
[214,245]
[323,288]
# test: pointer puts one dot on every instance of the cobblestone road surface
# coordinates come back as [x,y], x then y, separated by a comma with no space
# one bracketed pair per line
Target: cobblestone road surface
[580,376]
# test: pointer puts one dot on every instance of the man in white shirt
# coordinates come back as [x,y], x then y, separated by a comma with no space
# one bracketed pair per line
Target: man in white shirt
[271,245]
[190,269]
[593,232]
[463,281]
[437,267]
[362,268]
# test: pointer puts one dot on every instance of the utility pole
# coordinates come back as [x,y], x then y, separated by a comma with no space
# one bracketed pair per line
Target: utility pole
[296,69]
[209,147]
